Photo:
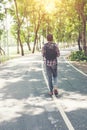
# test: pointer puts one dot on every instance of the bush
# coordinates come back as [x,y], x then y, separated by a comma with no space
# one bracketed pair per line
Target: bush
[78,56]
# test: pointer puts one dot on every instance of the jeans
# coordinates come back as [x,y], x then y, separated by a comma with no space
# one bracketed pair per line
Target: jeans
[52,76]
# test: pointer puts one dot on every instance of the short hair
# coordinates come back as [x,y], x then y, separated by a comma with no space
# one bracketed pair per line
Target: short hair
[49,37]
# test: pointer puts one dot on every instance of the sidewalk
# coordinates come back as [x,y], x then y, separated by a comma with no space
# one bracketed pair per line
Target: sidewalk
[24,100]
[80,65]
[73,94]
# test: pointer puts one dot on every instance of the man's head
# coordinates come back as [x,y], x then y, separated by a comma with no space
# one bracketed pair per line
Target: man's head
[49,37]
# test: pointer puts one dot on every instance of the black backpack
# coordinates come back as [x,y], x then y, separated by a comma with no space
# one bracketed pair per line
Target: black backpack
[50,51]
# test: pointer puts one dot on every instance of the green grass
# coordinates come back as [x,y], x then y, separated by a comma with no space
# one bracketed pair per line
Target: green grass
[4,58]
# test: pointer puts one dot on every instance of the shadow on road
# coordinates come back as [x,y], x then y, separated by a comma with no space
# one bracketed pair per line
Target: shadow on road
[25,103]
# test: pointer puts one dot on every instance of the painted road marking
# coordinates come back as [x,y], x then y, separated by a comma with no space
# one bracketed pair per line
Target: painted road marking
[75,67]
[58,105]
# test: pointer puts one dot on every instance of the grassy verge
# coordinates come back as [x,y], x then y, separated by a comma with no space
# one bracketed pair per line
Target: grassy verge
[4,58]
[78,56]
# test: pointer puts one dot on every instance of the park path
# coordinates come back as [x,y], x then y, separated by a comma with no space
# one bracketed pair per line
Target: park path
[25,103]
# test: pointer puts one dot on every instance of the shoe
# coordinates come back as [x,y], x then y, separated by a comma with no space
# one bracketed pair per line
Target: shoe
[50,93]
[55,91]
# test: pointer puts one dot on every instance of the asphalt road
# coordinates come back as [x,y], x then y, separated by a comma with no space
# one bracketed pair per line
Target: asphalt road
[26,105]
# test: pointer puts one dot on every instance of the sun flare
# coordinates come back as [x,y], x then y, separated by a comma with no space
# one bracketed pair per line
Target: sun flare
[49,5]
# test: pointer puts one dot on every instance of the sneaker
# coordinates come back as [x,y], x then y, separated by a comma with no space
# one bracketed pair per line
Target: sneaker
[50,93]
[55,91]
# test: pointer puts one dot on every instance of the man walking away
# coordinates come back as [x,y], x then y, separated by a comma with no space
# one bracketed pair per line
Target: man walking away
[50,52]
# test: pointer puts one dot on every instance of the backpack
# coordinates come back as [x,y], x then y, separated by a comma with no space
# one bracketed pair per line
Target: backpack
[50,51]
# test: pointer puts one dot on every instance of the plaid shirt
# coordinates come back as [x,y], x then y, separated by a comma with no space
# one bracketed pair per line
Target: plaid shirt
[50,62]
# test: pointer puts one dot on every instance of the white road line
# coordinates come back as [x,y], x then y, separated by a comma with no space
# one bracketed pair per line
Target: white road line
[58,105]
[75,67]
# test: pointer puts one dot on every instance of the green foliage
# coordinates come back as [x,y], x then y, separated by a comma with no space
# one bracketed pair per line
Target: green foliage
[78,56]
[1,19]
[3,58]
[40,17]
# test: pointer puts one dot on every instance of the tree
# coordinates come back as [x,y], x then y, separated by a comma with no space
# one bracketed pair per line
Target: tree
[36,20]
[67,21]
[19,23]
[1,23]
[81,6]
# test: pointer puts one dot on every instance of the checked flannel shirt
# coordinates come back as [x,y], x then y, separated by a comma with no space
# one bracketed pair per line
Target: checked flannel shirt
[50,62]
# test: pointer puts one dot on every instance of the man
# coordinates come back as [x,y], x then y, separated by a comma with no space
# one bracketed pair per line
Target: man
[50,53]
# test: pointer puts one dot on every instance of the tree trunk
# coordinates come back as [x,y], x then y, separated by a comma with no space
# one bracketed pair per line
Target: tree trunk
[84,39]
[18,51]
[29,48]
[19,24]
[79,41]
[37,44]
[80,9]
[28,44]
[2,51]
[84,34]
[21,46]
[34,43]
[35,37]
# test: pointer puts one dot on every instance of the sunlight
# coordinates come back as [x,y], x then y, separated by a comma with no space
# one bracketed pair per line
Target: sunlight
[50,7]
[12,108]
[73,101]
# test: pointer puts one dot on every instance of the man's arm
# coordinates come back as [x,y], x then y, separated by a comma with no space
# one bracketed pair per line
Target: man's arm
[43,51]
[57,50]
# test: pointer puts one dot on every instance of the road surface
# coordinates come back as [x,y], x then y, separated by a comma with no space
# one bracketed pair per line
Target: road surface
[26,105]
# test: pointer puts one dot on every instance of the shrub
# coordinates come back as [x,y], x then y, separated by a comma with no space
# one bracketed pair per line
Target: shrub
[78,56]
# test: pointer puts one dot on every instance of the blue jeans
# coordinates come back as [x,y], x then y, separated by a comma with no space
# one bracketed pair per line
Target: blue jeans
[52,76]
